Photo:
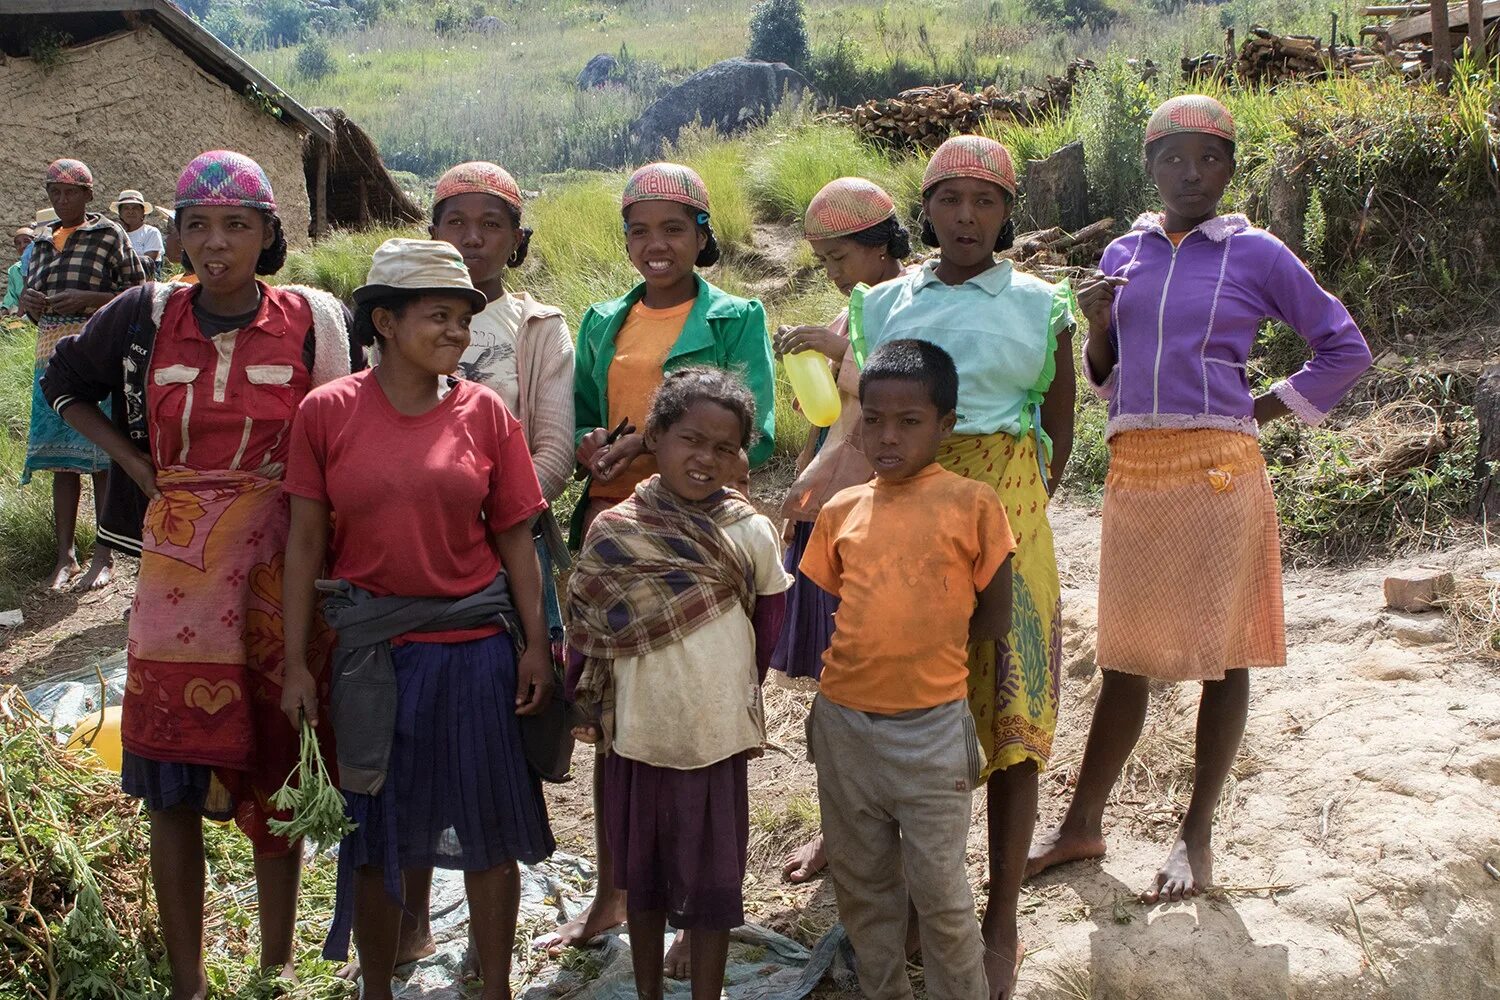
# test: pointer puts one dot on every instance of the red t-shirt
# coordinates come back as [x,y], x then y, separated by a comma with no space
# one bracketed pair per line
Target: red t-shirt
[415,498]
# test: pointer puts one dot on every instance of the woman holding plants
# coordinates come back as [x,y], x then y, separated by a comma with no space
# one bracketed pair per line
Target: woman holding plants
[1190,535]
[442,640]
[1010,334]
[203,403]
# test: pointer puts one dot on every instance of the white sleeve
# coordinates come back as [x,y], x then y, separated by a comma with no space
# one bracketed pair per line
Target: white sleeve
[760,539]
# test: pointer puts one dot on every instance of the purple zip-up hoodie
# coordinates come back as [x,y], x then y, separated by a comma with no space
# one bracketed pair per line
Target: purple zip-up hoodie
[1184,325]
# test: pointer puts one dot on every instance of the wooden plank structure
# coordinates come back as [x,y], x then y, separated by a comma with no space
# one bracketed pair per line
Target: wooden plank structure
[1473,25]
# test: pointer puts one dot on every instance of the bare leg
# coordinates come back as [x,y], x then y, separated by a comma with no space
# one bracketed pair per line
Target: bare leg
[646,930]
[177,877]
[1011,810]
[806,862]
[1221,725]
[415,942]
[67,487]
[101,563]
[377,925]
[276,884]
[494,902]
[1118,717]
[710,954]
[608,908]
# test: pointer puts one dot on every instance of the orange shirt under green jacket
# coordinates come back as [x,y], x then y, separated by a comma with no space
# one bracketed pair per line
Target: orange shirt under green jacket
[906,559]
[641,350]
[720,331]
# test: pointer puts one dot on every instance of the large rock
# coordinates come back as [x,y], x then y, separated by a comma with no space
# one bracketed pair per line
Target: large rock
[730,95]
[1055,192]
[597,71]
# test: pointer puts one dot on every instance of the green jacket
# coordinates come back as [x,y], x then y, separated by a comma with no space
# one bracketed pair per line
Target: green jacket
[721,331]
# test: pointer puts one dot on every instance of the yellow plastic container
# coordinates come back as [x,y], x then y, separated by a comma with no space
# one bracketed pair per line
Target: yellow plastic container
[101,735]
[812,382]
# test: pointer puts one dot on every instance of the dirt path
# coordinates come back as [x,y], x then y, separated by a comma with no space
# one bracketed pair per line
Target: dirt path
[1368,785]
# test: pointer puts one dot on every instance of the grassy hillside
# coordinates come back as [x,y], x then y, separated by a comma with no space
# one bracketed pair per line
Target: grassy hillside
[431,98]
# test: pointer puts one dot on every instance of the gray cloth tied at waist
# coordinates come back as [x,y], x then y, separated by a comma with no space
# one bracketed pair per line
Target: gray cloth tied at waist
[364,676]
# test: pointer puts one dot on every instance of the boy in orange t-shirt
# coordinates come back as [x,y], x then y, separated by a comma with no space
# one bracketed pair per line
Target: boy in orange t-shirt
[919,559]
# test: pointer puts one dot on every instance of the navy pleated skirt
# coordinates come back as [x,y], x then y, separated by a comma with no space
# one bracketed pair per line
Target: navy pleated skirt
[164,785]
[808,627]
[458,793]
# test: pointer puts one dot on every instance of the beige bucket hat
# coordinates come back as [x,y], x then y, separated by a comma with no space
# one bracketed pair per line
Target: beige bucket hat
[402,265]
[45,215]
[131,197]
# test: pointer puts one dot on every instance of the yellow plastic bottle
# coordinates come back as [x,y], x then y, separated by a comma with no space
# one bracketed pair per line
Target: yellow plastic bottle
[813,384]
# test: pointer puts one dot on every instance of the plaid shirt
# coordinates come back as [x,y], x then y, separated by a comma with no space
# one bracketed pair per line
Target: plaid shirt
[96,258]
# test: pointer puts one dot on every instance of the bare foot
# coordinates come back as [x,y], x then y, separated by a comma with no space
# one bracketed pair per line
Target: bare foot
[1002,964]
[677,964]
[100,572]
[589,924]
[67,567]
[407,952]
[806,862]
[1189,871]
[1058,848]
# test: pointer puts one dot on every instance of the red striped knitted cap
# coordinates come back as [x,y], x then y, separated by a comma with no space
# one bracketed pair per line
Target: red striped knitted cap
[1190,113]
[666,182]
[847,205]
[974,156]
[479,177]
[74,172]
[222,177]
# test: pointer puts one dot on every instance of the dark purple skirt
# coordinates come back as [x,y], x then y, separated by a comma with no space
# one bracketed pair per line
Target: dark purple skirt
[164,785]
[679,839]
[808,626]
[458,793]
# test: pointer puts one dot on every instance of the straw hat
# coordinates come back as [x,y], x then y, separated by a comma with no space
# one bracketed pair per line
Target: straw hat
[45,215]
[131,197]
[431,266]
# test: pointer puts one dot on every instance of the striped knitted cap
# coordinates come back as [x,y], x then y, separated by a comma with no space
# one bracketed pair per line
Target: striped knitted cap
[74,172]
[1190,113]
[225,178]
[666,182]
[844,206]
[479,177]
[974,156]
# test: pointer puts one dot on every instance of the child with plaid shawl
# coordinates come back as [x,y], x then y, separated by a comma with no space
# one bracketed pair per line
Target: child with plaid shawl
[675,604]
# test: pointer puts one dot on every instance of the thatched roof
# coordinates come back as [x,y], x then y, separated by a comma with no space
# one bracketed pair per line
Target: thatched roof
[361,192]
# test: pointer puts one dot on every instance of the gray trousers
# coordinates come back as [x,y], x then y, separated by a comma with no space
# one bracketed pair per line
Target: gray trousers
[895,793]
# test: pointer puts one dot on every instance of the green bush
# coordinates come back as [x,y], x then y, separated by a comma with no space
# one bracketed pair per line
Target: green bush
[314,60]
[1112,107]
[1074,15]
[778,32]
[282,22]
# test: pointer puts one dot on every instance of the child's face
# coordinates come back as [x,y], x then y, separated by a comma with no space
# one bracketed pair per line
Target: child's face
[741,478]
[132,217]
[224,243]
[1191,171]
[849,262]
[20,241]
[967,214]
[901,427]
[663,241]
[700,453]
[70,202]
[429,335]
[482,228]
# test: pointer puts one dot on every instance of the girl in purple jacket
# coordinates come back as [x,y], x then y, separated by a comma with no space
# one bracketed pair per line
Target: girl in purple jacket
[1190,565]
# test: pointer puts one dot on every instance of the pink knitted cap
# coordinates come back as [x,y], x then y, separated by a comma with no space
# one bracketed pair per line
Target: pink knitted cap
[974,156]
[844,206]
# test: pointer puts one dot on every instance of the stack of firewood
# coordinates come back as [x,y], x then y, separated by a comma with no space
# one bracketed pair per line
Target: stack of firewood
[1267,59]
[1058,248]
[923,117]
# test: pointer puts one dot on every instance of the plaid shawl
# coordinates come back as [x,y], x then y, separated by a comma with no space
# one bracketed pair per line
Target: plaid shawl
[653,569]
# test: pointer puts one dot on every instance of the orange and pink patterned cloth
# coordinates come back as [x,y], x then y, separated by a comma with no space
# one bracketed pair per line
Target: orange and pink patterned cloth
[974,156]
[479,177]
[845,206]
[1190,562]
[1190,113]
[666,182]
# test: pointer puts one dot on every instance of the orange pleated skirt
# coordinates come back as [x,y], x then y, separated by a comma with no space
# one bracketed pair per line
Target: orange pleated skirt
[1190,561]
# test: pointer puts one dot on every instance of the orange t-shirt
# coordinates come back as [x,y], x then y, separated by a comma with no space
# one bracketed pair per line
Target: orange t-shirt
[641,348]
[906,559]
[60,236]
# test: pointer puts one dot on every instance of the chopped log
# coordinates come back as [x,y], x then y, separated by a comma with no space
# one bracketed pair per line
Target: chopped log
[1476,32]
[1487,412]
[1442,45]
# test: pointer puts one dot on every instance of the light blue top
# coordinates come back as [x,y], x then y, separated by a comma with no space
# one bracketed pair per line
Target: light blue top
[1000,327]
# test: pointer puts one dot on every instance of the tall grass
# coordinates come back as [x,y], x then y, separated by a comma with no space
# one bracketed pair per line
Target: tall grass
[721,164]
[339,263]
[791,165]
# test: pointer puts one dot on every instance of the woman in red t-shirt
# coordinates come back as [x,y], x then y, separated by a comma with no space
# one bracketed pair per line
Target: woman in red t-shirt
[436,587]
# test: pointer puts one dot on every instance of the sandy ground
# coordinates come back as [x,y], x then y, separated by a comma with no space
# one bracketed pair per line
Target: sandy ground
[1353,841]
